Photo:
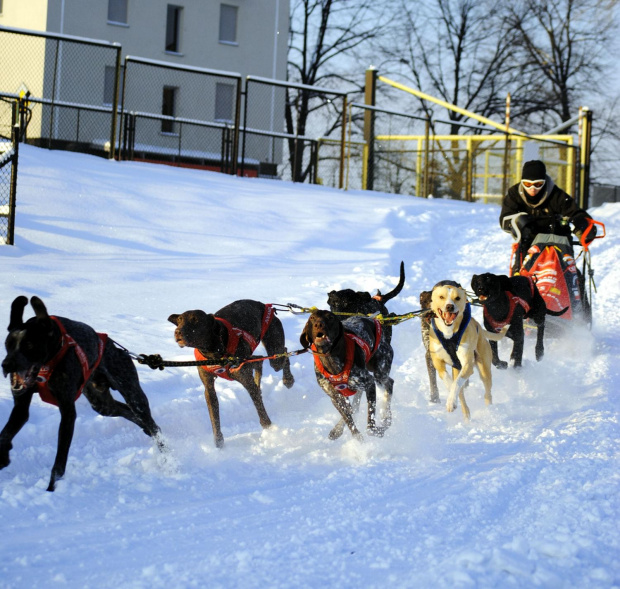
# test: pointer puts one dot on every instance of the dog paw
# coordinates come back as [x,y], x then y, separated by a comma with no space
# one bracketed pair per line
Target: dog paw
[450,405]
[288,381]
[500,364]
[435,398]
[336,431]
[376,431]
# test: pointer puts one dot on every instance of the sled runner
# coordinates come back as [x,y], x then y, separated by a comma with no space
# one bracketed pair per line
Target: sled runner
[551,263]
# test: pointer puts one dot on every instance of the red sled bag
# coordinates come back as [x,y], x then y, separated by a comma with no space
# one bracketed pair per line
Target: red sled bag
[551,264]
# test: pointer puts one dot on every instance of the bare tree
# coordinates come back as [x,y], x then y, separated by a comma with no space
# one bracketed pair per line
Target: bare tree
[326,38]
[462,52]
[564,46]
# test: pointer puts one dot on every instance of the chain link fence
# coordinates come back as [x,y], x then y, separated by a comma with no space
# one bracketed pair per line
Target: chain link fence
[72,85]
[181,115]
[283,125]
[13,120]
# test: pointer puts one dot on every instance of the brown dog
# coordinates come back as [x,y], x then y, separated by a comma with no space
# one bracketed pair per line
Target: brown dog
[349,357]
[425,326]
[234,331]
[459,341]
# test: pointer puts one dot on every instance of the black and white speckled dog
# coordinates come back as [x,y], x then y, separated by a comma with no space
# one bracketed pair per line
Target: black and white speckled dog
[234,330]
[59,359]
[349,357]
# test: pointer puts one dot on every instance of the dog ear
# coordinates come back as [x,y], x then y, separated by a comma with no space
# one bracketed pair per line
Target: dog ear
[39,308]
[174,318]
[303,338]
[17,312]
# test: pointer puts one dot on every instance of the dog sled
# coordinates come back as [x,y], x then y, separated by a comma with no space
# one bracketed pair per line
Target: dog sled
[551,263]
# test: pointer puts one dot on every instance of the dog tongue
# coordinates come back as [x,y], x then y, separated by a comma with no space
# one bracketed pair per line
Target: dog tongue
[449,318]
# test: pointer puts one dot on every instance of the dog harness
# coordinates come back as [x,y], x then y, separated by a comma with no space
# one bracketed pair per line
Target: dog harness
[513,301]
[451,345]
[341,381]
[235,334]
[67,342]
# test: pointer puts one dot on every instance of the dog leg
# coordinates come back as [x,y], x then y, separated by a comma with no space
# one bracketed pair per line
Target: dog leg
[213,405]
[540,338]
[354,404]
[386,417]
[68,415]
[258,373]
[502,365]
[17,419]
[517,347]
[432,378]
[344,408]
[287,376]
[245,378]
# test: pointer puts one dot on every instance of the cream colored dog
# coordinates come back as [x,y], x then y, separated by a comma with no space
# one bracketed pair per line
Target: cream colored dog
[457,340]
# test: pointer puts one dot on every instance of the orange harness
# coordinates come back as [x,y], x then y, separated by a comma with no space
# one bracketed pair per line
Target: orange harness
[341,381]
[234,336]
[45,373]
[513,301]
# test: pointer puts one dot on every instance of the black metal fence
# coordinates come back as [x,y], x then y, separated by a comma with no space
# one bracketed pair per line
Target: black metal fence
[182,115]
[13,117]
[73,83]
[283,125]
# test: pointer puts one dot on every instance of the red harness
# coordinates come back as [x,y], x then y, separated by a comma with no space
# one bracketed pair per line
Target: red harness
[234,336]
[341,381]
[46,371]
[513,301]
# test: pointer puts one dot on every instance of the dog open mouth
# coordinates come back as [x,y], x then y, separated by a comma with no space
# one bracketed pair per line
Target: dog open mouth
[482,297]
[322,342]
[24,381]
[448,318]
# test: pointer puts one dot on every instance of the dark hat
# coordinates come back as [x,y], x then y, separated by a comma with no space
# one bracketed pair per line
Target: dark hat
[534,170]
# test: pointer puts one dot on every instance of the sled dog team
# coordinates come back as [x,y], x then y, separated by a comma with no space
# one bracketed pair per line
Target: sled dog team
[60,358]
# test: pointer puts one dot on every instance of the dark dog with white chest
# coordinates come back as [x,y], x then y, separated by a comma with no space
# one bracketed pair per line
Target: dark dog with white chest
[349,357]
[234,331]
[509,301]
[60,358]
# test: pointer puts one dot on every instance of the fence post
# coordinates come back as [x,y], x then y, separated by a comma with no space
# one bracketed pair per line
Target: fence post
[237,129]
[369,126]
[15,136]
[343,142]
[426,180]
[586,137]
[117,78]
[506,148]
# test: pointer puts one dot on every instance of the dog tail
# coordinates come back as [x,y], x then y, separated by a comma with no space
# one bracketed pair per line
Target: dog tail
[557,313]
[384,298]
[495,336]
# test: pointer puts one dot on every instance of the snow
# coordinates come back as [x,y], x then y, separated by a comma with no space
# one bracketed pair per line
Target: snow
[525,495]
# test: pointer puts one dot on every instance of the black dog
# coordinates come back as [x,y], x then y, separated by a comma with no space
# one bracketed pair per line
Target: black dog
[235,330]
[349,357]
[508,301]
[363,303]
[60,358]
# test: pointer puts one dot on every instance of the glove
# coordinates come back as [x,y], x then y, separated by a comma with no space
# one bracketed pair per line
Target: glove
[589,237]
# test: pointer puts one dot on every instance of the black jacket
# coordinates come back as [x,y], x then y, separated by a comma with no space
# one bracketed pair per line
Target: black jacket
[552,200]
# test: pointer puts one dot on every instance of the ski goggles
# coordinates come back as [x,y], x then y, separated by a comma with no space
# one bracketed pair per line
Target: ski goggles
[533,183]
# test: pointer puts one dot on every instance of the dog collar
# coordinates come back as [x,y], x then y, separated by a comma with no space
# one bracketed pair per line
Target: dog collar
[451,345]
[341,381]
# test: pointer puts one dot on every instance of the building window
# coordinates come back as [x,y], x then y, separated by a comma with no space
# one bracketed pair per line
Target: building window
[168,108]
[228,24]
[173,28]
[108,85]
[224,102]
[117,11]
